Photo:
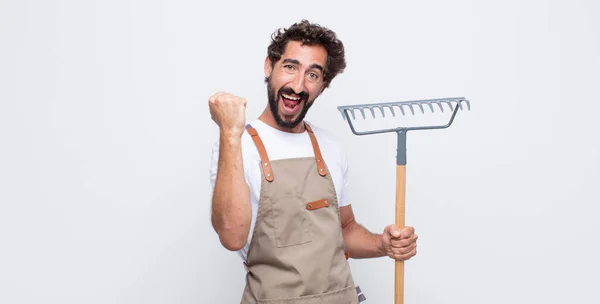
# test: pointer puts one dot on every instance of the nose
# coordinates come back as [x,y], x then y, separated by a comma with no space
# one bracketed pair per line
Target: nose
[298,83]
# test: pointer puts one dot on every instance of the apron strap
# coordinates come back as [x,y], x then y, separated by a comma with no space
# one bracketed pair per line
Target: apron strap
[320,162]
[266,164]
[264,158]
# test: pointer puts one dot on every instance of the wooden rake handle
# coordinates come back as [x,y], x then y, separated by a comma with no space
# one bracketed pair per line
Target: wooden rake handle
[400,215]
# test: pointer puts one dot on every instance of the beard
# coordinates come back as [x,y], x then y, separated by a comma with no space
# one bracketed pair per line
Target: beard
[281,121]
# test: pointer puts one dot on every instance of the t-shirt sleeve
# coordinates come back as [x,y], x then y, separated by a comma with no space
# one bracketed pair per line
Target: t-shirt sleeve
[344,199]
[214,163]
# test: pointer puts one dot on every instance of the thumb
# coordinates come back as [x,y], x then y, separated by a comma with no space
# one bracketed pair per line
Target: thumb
[394,231]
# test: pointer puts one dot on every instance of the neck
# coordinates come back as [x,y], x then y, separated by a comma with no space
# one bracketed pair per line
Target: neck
[268,118]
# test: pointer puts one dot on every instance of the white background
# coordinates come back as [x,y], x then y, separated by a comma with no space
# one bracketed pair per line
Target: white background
[105,145]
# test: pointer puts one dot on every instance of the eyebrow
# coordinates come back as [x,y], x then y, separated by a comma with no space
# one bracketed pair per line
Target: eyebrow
[295,61]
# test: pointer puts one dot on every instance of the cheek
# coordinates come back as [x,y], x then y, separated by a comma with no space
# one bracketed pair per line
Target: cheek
[279,81]
[314,92]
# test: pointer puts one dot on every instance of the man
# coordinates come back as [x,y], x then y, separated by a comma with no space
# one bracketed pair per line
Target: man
[280,183]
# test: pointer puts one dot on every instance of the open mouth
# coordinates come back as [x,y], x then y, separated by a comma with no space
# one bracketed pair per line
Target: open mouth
[290,103]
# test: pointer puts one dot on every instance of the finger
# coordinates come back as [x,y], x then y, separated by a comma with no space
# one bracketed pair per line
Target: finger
[403,250]
[406,232]
[397,243]
[214,97]
[212,116]
[405,255]
[400,242]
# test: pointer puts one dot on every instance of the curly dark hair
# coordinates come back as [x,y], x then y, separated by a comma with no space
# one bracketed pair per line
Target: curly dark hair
[310,34]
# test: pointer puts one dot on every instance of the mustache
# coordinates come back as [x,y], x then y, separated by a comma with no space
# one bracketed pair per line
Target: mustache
[303,95]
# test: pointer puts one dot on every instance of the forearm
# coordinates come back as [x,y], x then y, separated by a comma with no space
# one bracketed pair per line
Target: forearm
[360,243]
[231,211]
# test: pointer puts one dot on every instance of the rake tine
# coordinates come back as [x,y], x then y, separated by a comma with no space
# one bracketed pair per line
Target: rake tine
[392,110]
[352,112]
[440,105]
[362,111]
[460,103]
[431,107]
[401,109]
[411,108]
[372,111]
[449,103]
[382,112]
[421,107]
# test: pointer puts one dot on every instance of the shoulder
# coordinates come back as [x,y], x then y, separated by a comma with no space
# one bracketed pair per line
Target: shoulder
[326,137]
[332,147]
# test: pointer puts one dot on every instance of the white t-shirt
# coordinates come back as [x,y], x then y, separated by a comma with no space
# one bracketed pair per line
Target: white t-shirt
[282,145]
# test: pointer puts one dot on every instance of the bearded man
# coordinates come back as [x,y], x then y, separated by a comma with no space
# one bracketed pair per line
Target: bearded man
[280,183]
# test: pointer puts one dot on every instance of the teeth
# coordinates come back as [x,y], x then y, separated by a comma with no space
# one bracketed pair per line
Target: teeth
[290,97]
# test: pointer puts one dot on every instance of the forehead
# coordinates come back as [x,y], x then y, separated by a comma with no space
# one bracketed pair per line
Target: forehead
[306,54]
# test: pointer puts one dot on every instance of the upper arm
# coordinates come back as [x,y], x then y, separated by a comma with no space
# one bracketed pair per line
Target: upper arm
[346,216]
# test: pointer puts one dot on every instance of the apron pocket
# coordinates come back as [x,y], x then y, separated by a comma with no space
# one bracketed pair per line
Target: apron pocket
[292,226]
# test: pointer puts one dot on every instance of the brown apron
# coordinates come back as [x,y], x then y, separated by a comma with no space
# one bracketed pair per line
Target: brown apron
[296,254]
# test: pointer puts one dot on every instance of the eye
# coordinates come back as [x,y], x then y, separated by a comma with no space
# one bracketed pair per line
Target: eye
[289,67]
[313,76]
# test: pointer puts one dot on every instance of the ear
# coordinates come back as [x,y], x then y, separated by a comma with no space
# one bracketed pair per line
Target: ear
[268,67]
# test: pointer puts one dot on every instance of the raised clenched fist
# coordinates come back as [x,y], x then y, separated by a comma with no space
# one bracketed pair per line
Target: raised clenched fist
[228,112]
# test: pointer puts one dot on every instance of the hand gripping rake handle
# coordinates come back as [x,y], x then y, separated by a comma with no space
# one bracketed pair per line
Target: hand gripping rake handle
[454,104]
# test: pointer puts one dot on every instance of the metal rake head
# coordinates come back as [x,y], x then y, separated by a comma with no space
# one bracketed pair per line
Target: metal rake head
[454,104]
